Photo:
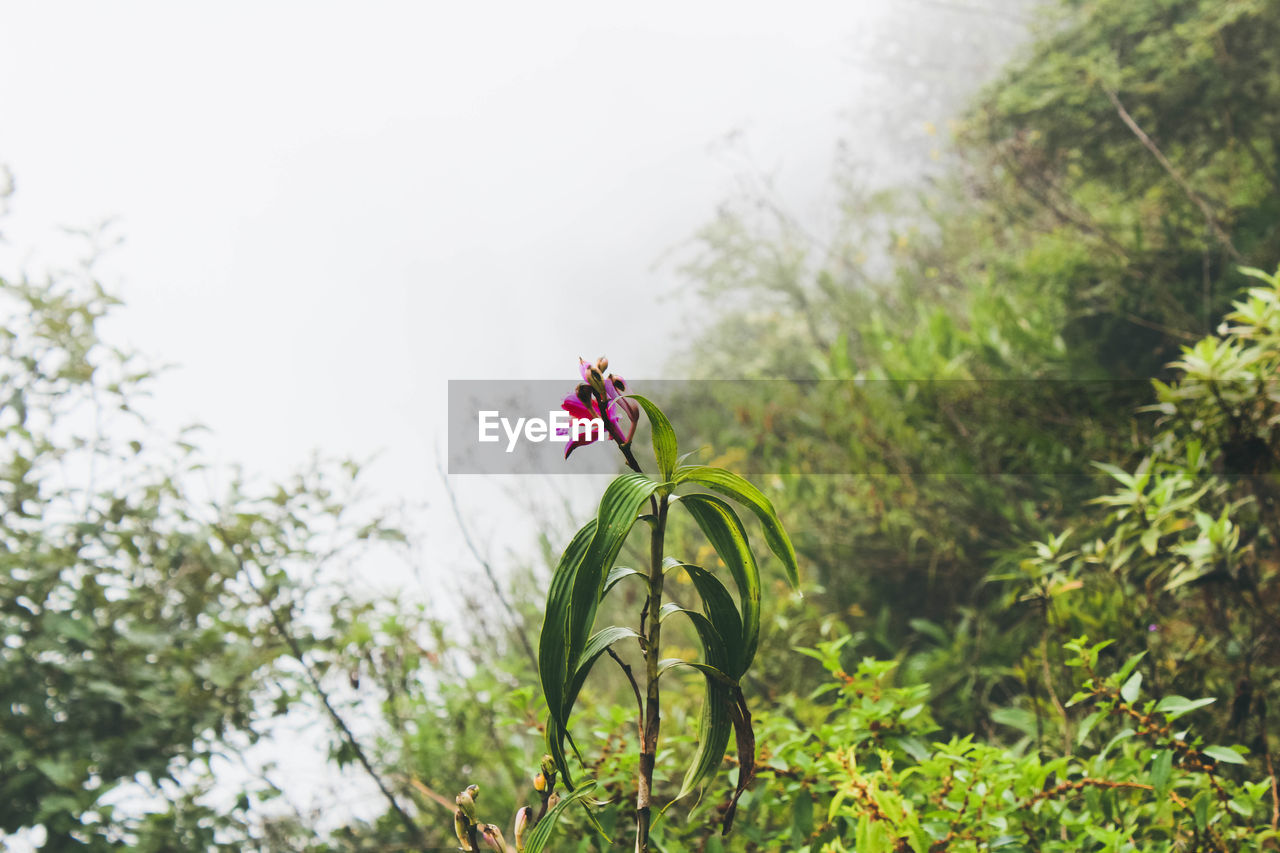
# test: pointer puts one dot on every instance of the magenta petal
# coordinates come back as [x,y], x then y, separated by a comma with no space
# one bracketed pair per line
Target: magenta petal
[576,409]
[611,391]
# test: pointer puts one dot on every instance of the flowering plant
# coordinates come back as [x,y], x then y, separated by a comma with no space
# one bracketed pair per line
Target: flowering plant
[727,626]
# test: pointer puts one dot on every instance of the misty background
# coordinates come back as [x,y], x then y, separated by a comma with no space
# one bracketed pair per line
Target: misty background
[319,215]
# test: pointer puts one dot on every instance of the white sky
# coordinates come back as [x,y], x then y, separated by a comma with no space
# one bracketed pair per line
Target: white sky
[329,210]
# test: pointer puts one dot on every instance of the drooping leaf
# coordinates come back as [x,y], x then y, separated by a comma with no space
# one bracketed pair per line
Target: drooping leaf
[1161,770]
[724,531]
[1129,691]
[616,574]
[729,483]
[740,716]
[714,726]
[719,607]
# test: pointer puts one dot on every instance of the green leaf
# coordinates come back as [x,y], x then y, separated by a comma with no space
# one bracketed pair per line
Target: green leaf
[1123,734]
[553,651]
[713,735]
[576,588]
[1224,754]
[1174,707]
[740,716]
[728,483]
[1128,666]
[1161,771]
[1087,726]
[616,574]
[1200,809]
[715,724]
[801,818]
[664,437]
[619,506]
[1129,692]
[1124,477]
[1150,540]
[719,607]
[541,834]
[1254,272]
[596,646]
[724,530]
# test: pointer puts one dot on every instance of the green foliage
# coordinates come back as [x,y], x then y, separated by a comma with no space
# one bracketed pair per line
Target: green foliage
[728,631]
[1188,538]
[127,651]
[1143,786]
[1109,196]
[857,766]
[987,347]
[149,629]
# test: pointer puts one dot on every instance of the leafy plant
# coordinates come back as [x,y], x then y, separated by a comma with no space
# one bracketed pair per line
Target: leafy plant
[727,628]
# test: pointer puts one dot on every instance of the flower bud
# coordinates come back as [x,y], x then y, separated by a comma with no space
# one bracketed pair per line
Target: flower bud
[548,765]
[592,376]
[552,800]
[494,836]
[602,364]
[467,805]
[540,783]
[463,828]
[523,817]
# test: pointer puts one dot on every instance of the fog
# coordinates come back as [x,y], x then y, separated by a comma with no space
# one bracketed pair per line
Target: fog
[321,213]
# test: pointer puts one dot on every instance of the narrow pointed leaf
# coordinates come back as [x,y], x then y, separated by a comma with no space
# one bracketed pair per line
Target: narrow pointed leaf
[715,726]
[576,588]
[596,646]
[724,531]
[740,714]
[541,834]
[719,607]
[553,646]
[714,673]
[616,574]
[729,483]
[619,507]
[664,437]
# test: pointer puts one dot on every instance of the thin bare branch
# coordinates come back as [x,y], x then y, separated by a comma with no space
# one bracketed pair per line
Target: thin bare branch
[1196,198]
[635,688]
[296,651]
[489,573]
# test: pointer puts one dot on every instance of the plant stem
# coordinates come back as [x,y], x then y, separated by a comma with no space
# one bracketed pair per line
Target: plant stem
[652,714]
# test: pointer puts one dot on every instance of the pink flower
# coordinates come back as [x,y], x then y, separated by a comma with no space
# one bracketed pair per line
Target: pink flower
[584,404]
